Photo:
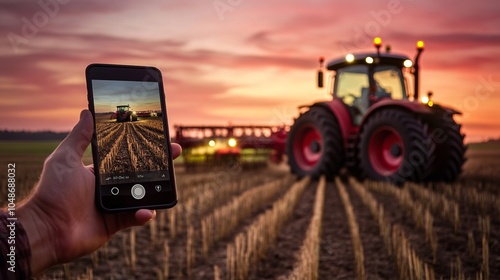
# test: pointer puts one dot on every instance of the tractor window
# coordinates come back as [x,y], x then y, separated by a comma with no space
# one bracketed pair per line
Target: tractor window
[390,82]
[350,82]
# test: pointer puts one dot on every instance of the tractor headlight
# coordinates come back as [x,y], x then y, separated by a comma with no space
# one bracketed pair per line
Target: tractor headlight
[232,142]
[211,143]
[349,57]
[134,113]
[427,99]
[407,63]
[369,59]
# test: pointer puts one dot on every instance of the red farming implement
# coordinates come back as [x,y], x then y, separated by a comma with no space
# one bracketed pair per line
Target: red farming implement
[244,145]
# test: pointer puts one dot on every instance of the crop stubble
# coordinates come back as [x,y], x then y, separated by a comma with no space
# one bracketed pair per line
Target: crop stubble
[467,241]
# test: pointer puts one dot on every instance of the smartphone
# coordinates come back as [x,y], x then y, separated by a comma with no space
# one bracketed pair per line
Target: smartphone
[131,144]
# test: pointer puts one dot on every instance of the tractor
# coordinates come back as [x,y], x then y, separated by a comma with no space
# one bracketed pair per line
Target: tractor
[374,127]
[124,114]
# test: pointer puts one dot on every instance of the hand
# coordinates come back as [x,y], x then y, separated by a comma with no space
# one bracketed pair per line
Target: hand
[60,218]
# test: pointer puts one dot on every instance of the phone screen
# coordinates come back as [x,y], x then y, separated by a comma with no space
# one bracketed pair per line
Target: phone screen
[130,132]
[131,146]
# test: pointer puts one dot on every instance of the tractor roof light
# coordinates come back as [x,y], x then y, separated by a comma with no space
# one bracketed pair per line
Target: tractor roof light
[377,42]
[211,143]
[420,45]
[369,59]
[407,63]
[349,57]
[232,142]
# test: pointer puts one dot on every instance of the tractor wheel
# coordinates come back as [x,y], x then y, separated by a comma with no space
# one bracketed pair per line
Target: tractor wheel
[314,145]
[134,118]
[450,151]
[395,146]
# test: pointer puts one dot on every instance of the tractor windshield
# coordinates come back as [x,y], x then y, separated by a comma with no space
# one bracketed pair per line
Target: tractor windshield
[352,86]
[351,83]
[389,81]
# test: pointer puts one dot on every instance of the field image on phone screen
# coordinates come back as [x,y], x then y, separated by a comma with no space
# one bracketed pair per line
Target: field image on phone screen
[130,132]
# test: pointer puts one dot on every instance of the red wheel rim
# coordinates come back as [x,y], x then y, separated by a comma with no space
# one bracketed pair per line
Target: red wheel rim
[386,150]
[307,147]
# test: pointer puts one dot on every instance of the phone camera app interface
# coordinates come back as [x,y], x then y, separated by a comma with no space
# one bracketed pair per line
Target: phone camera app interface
[130,132]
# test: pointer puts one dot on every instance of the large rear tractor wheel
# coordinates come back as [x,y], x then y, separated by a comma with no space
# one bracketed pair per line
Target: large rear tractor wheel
[450,150]
[395,146]
[314,145]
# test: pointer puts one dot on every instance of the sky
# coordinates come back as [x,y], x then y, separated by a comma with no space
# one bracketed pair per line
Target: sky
[140,96]
[240,61]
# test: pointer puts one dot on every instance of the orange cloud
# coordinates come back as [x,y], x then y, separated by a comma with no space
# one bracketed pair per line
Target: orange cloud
[254,64]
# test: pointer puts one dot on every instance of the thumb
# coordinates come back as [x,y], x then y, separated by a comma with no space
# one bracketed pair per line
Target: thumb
[79,138]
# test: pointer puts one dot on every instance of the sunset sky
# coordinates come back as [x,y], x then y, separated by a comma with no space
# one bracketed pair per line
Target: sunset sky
[110,94]
[240,61]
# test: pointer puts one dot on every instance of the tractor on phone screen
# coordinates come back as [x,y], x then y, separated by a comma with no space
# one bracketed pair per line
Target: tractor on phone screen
[125,114]
[374,126]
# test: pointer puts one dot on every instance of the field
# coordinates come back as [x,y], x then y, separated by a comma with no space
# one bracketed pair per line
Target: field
[265,224]
[127,147]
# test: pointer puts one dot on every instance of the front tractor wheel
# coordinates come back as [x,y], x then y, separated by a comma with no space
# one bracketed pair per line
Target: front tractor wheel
[395,146]
[314,145]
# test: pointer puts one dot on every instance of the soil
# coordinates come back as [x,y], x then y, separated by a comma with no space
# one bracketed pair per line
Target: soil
[336,259]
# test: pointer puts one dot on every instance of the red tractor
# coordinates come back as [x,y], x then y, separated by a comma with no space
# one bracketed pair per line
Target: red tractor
[125,114]
[373,127]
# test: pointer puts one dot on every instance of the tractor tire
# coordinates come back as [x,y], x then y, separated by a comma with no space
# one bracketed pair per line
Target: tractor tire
[314,145]
[395,146]
[450,151]
[134,118]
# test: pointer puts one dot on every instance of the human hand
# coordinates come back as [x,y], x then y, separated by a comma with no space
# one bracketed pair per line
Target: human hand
[60,218]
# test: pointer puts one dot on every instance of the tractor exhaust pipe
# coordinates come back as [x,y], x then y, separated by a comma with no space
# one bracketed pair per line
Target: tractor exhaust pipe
[420,49]
[320,72]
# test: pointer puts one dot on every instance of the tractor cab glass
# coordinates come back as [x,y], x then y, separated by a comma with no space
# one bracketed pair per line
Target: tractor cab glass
[389,82]
[352,86]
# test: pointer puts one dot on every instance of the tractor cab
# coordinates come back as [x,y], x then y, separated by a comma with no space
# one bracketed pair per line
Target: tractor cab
[361,80]
[125,114]
[122,108]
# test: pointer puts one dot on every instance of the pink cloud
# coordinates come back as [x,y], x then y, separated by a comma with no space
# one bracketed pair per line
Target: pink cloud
[197,49]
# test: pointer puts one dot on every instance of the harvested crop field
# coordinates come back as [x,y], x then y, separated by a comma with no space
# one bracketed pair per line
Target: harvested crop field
[266,224]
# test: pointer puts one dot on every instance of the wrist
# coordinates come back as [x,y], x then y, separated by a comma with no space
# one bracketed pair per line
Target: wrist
[40,236]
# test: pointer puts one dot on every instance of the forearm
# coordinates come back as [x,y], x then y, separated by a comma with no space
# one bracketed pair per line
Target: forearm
[41,240]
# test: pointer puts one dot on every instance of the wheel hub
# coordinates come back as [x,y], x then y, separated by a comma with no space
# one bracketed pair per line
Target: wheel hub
[386,150]
[395,150]
[307,147]
[315,147]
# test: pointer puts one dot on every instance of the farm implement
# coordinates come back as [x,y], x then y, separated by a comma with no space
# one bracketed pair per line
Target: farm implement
[248,146]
